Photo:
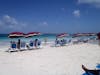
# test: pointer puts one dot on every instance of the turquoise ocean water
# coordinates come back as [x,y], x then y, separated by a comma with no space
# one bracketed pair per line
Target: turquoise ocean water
[50,37]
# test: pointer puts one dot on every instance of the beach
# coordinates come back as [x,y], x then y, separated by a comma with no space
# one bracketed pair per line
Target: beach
[64,60]
[49,37]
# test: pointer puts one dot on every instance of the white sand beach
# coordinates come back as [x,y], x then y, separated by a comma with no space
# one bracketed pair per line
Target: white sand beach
[66,60]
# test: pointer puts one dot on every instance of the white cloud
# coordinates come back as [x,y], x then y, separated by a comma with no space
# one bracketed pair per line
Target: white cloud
[95,3]
[10,23]
[76,13]
[9,20]
[44,24]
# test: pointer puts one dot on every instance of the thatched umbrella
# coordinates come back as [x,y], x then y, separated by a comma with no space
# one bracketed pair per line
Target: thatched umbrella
[61,35]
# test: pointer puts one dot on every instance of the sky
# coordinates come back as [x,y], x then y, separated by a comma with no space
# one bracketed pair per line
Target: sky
[50,16]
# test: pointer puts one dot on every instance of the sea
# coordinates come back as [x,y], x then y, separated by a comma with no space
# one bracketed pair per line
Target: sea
[5,40]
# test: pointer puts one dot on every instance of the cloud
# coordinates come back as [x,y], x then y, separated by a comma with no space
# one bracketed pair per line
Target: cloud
[9,20]
[76,13]
[95,3]
[43,24]
[10,23]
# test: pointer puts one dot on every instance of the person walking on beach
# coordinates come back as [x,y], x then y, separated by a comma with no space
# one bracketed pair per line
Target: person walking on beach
[98,35]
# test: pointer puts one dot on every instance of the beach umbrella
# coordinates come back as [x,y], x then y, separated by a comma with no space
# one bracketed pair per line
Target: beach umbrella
[61,35]
[16,35]
[83,34]
[77,35]
[30,34]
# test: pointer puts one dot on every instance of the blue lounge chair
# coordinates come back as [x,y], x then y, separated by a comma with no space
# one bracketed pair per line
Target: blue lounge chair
[23,46]
[13,47]
[90,72]
[57,43]
[31,45]
[39,43]
[98,66]
[63,42]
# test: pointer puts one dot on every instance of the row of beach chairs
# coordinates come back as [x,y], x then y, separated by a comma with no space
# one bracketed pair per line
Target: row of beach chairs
[24,46]
[63,42]
[36,45]
[76,41]
[60,42]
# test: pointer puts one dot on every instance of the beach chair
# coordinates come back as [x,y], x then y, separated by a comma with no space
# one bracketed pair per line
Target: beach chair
[23,46]
[57,43]
[98,66]
[69,41]
[13,47]
[31,45]
[91,72]
[39,44]
[75,41]
[63,42]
